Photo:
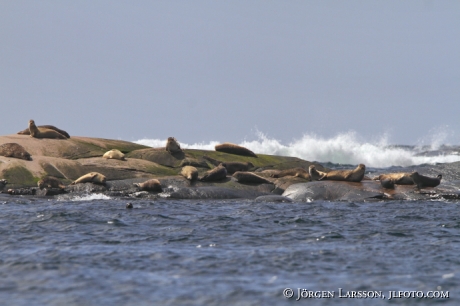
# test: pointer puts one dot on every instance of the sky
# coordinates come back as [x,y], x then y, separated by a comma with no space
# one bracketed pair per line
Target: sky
[226,70]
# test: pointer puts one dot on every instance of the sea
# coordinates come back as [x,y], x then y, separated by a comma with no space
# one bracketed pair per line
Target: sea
[92,250]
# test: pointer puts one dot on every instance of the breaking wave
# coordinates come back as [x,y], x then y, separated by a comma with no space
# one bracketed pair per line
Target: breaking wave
[86,197]
[344,148]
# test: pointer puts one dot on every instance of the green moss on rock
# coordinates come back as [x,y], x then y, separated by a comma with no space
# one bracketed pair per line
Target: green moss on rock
[18,176]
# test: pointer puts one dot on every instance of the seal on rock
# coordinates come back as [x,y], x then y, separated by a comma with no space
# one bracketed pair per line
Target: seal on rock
[50,182]
[424,181]
[51,127]
[231,148]
[92,177]
[297,172]
[388,183]
[315,175]
[14,150]
[189,172]
[249,177]
[194,162]
[3,183]
[355,175]
[398,178]
[172,146]
[216,174]
[43,133]
[149,185]
[114,154]
[231,167]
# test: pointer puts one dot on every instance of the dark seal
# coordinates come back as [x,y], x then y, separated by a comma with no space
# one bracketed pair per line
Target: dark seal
[14,150]
[217,174]
[424,181]
[234,149]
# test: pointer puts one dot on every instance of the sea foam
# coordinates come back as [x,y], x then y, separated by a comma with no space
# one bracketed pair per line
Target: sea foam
[87,197]
[344,148]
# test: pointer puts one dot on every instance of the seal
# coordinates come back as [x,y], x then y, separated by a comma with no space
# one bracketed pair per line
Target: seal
[3,183]
[172,146]
[388,183]
[92,177]
[149,185]
[297,172]
[114,154]
[355,175]
[51,127]
[424,181]
[189,172]
[249,177]
[14,150]
[50,182]
[43,133]
[217,174]
[315,175]
[194,162]
[398,178]
[129,205]
[231,148]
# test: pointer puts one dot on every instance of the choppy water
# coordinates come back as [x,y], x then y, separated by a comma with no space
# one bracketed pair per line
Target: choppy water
[169,252]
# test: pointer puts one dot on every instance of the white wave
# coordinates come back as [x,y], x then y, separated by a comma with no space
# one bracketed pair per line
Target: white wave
[88,197]
[344,148]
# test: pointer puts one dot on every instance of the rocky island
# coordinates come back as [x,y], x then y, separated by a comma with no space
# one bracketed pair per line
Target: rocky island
[69,159]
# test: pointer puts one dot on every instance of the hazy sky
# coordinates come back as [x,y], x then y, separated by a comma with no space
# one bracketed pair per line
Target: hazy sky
[222,70]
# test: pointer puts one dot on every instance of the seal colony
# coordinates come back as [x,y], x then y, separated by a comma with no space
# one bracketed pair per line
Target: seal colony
[230,171]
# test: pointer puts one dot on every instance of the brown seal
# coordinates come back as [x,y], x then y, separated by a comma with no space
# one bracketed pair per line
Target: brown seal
[315,175]
[216,174]
[398,178]
[149,185]
[424,181]
[249,177]
[234,149]
[172,146]
[297,172]
[233,167]
[51,127]
[189,172]
[92,177]
[50,182]
[194,162]
[355,175]
[14,150]
[114,154]
[43,133]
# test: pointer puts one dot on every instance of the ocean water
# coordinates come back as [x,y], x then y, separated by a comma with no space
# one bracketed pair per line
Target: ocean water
[91,250]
